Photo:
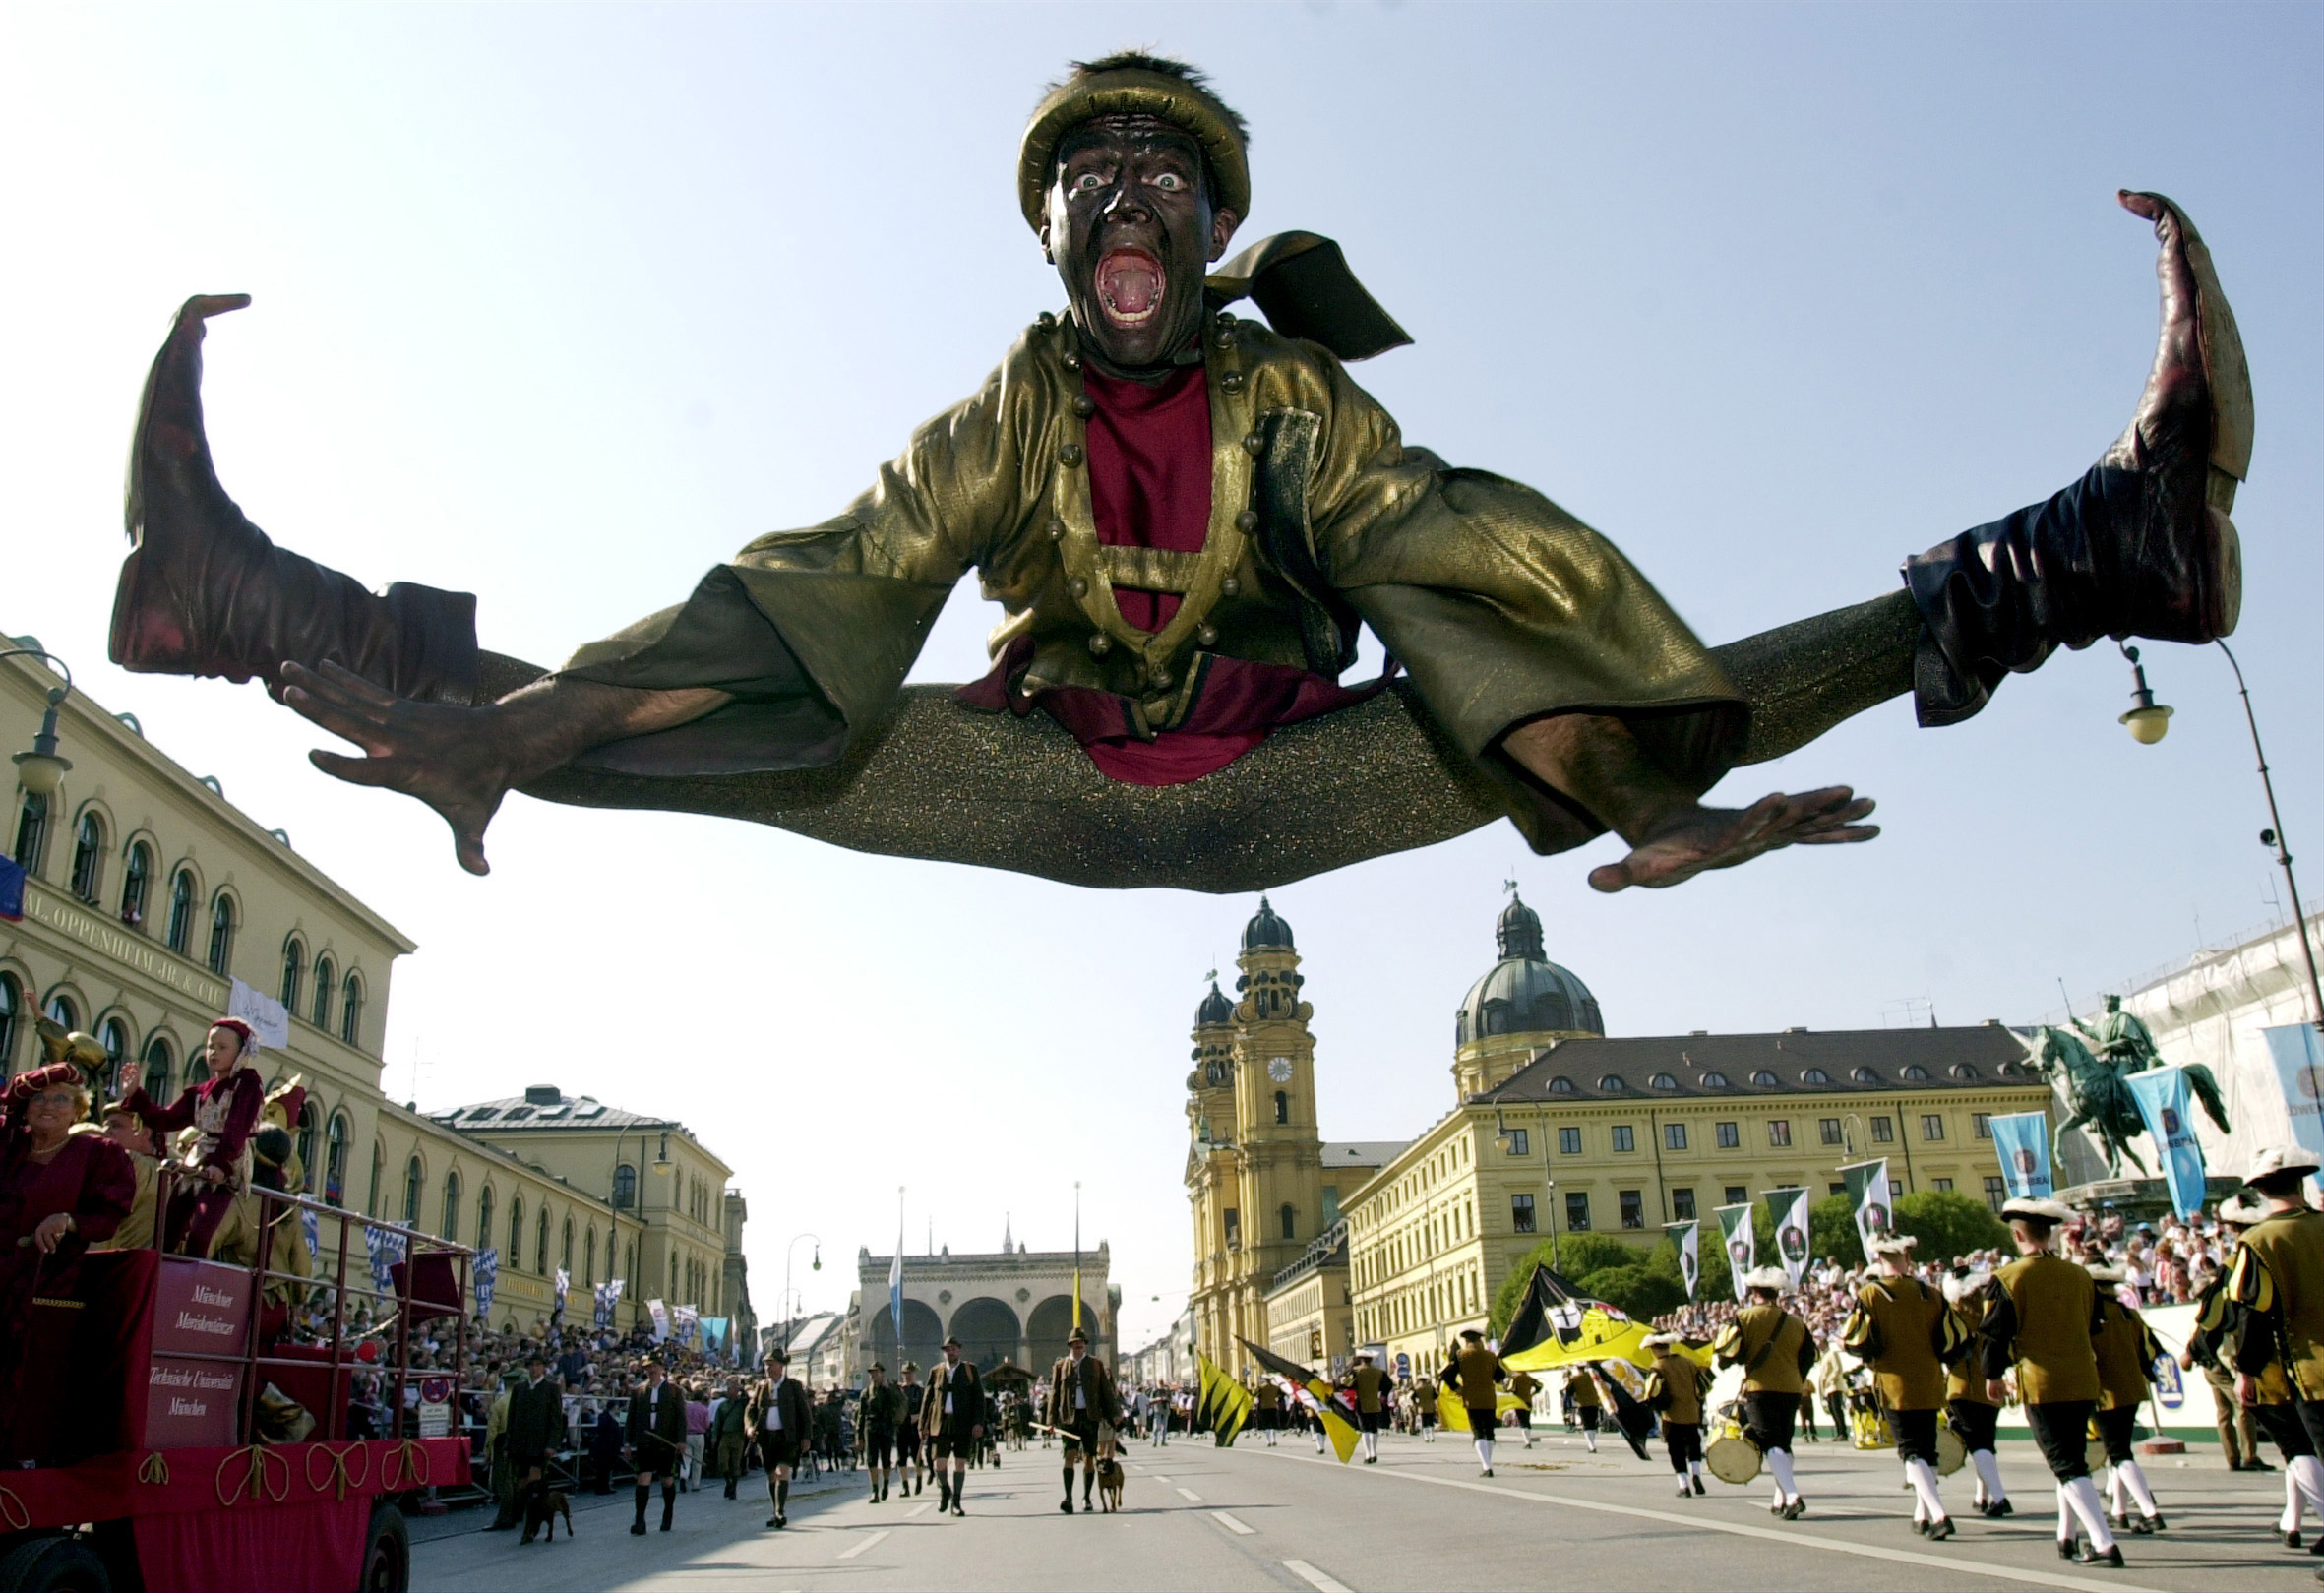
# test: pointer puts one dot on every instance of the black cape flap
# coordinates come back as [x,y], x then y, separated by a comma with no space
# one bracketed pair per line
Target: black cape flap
[1302,285]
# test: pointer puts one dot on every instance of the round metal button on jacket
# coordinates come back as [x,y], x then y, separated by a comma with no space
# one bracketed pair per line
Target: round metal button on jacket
[1069,454]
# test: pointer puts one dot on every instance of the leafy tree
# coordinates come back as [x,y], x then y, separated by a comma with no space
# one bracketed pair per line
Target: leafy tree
[1948,1225]
[1831,1231]
[1579,1257]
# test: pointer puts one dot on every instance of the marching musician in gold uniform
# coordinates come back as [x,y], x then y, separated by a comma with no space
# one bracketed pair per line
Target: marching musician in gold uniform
[1371,1387]
[1676,1388]
[1973,1401]
[1904,1330]
[1775,1349]
[2041,1315]
[1477,1373]
[1267,1404]
[1581,1390]
[1524,1384]
[2219,1327]
[2127,1350]
[2276,1284]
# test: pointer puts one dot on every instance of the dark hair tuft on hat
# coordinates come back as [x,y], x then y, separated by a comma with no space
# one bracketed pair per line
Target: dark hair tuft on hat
[1168,66]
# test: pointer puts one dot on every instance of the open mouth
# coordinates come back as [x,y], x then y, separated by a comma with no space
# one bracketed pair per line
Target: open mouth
[1129,284]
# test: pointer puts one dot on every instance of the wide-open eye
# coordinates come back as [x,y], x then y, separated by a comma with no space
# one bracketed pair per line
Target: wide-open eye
[1170,182]
[1087,182]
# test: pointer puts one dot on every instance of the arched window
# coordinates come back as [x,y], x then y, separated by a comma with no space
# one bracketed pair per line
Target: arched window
[294,973]
[1662,1082]
[161,1064]
[451,1228]
[590,1259]
[379,1154]
[350,1011]
[1714,1080]
[88,856]
[1915,1074]
[625,1186]
[1611,1083]
[335,1160]
[1765,1077]
[515,1256]
[137,883]
[484,1217]
[310,1118]
[222,933]
[412,1181]
[540,1242]
[1959,1070]
[1560,1085]
[62,1012]
[1865,1075]
[1815,1076]
[630,1267]
[12,1001]
[181,912]
[324,973]
[31,831]
[1289,1217]
[113,1035]
[1282,1107]
[565,1253]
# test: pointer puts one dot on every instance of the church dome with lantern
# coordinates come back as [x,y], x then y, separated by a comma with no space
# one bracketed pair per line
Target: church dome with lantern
[1265,930]
[1525,993]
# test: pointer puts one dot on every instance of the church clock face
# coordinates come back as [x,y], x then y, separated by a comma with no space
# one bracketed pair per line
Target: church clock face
[1279,1070]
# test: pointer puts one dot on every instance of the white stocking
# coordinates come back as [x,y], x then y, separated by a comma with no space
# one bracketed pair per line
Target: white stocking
[2310,1472]
[1928,1506]
[2288,1521]
[1589,1437]
[2065,1517]
[2082,1494]
[1989,1474]
[1779,1461]
[2133,1476]
[1694,1468]
[1485,1452]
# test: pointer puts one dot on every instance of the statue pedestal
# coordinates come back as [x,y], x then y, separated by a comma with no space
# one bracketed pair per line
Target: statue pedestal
[2140,1200]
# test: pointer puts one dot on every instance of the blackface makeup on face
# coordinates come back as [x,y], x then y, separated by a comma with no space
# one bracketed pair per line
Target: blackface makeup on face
[1130,228]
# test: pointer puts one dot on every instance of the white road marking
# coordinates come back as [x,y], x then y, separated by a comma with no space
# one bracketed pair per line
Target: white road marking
[1190,1496]
[1794,1538]
[851,1553]
[1231,1524]
[921,1509]
[1315,1578]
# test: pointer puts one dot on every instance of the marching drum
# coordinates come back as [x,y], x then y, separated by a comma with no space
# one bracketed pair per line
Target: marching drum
[1951,1454]
[1731,1456]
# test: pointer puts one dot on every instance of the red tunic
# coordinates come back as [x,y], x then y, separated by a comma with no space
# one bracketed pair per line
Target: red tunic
[225,1110]
[1150,486]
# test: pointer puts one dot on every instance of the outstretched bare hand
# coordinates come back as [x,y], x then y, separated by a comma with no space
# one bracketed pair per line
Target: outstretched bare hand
[1693,838]
[456,760]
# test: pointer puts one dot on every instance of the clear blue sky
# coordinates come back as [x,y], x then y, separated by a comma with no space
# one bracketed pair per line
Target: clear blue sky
[561,305]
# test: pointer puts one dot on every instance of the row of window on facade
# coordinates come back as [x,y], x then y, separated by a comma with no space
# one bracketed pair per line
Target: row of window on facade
[1767,1078]
[1424,1306]
[318,995]
[1623,1136]
[1286,1224]
[1632,1203]
[165,1072]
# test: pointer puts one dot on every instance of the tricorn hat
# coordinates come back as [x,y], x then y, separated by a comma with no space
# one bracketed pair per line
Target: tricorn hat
[2242,1211]
[1900,1245]
[1767,1277]
[2280,1160]
[2045,1210]
[1655,1341]
[1962,1282]
[1132,85]
[2105,1272]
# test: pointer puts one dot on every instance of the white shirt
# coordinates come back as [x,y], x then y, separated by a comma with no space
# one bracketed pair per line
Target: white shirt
[774,1402]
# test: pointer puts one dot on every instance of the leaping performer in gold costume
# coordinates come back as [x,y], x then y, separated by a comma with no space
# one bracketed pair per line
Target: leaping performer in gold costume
[1186,517]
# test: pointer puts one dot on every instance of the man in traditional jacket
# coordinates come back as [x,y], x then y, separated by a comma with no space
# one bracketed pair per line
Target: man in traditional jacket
[877,1415]
[1674,1389]
[2127,1350]
[952,1415]
[2276,1284]
[1476,1373]
[1905,1332]
[1373,1388]
[535,1431]
[1084,1402]
[781,1421]
[657,1441]
[1186,516]
[1973,1401]
[1775,1349]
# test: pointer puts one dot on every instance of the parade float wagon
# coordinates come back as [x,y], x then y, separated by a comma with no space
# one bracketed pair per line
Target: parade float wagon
[198,1446]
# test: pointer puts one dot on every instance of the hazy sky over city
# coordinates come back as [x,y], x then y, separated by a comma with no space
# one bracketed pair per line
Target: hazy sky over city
[562,305]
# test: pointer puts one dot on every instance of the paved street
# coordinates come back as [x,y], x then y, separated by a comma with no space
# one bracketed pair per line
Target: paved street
[1202,1519]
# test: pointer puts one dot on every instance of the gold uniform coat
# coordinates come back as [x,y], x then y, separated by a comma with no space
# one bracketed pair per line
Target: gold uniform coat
[2278,1279]
[1898,1326]
[1500,605]
[1772,1346]
[2126,1349]
[2043,1312]
[1965,1378]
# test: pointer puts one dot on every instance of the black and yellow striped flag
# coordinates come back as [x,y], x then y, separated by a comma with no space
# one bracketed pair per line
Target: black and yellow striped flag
[1225,1403]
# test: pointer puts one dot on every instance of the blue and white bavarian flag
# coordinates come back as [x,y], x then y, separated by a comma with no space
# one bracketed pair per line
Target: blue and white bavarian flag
[487,1279]
[2022,1140]
[2299,1067]
[2162,1097]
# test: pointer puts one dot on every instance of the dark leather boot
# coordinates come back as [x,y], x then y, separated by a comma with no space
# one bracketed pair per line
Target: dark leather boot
[2140,546]
[204,592]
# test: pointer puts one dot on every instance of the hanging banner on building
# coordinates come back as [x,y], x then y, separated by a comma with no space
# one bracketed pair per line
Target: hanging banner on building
[487,1280]
[662,1321]
[560,1289]
[306,1219]
[685,1325]
[2162,1097]
[1868,1193]
[385,1250]
[1742,1241]
[601,1307]
[269,1018]
[2299,1056]
[2022,1140]
[1788,1211]
[11,890]
[1687,1236]
[714,1335]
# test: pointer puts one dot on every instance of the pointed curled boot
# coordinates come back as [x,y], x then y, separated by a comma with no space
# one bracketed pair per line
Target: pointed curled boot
[204,592]
[2140,546]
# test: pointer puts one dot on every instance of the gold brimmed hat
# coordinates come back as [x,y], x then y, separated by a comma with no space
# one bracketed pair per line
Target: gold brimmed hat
[1132,85]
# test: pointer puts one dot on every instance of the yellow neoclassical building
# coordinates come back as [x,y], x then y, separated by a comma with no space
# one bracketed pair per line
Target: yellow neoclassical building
[148,894]
[1555,1129]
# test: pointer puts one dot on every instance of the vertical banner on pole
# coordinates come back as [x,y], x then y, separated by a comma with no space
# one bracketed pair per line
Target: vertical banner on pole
[1788,1211]
[1687,1236]
[2299,1056]
[2162,1097]
[487,1280]
[1868,1193]
[2022,1140]
[1742,1241]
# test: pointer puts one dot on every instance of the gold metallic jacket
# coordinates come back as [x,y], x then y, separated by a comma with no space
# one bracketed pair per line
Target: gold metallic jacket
[1500,605]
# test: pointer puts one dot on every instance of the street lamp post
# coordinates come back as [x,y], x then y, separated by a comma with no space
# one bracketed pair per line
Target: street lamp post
[790,1251]
[40,770]
[2273,836]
